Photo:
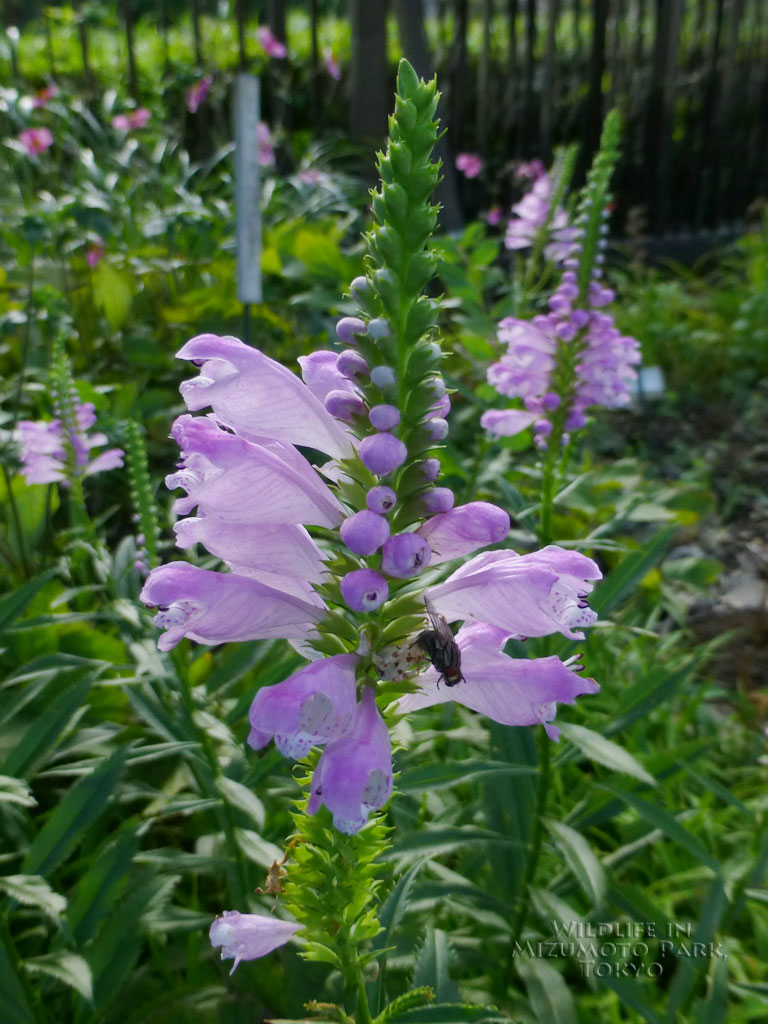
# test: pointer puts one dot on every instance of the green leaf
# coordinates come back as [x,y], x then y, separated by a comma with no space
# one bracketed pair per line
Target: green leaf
[434,841]
[113,293]
[661,819]
[100,884]
[550,997]
[581,860]
[450,1013]
[70,968]
[605,752]
[244,799]
[73,816]
[441,776]
[390,916]
[48,728]
[628,994]
[14,605]
[714,1009]
[622,581]
[432,967]
[16,1000]
[34,891]
[15,791]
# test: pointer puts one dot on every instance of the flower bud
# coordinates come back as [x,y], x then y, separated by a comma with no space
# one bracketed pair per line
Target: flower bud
[351,364]
[439,500]
[360,286]
[344,405]
[431,469]
[381,453]
[348,327]
[437,429]
[381,499]
[579,318]
[576,420]
[436,386]
[378,328]
[383,377]
[440,409]
[566,331]
[404,555]
[364,532]
[384,417]
[550,401]
[364,590]
[542,427]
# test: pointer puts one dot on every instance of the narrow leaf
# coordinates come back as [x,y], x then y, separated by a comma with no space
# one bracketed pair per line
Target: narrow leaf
[33,891]
[70,968]
[605,752]
[581,860]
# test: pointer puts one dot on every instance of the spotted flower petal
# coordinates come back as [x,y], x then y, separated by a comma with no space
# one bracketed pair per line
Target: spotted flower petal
[215,607]
[311,707]
[354,774]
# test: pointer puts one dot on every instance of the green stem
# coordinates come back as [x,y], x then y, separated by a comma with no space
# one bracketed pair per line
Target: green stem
[16,522]
[532,861]
[547,500]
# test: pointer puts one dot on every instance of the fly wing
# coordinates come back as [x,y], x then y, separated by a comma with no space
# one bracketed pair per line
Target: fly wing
[439,624]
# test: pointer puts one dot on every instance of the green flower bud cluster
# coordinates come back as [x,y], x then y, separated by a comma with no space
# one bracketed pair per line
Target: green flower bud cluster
[593,200]
[142,496]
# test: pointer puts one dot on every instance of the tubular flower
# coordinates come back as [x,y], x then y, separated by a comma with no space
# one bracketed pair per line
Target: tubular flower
[329,554]
[536,212]
[249,936]
[55,450]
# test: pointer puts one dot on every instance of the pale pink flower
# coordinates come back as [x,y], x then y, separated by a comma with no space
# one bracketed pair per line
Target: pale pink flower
[42,96]
[135,119]
[197,93]
[332,65]
[271,45]
[94,255]
[266,145]
[310,177]
[470,164]
[493,216]
[36,140]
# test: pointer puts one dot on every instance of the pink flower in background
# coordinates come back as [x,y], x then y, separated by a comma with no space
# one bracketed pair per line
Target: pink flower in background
[266,145]
[94,254]
[135,119]
[36,140]
[470,164]
[310,177]
[533,169]
[493,216]
[42,96]
[271,45]
[332,65]
[197,93]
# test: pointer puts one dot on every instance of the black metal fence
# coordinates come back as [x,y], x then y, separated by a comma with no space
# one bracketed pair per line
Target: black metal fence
[520,77]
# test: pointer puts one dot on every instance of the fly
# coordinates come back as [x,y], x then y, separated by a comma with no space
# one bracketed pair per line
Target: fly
[440,647]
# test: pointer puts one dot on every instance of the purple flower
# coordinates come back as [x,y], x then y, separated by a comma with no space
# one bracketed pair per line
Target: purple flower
[36,140]
[525,595]
[438,500]
[249,936]
[512,691]
[321,374]
[470,164]
[215,607]
[258,397]
[266,549]
[332,65]
[463,530]
[240,481]
[364,590]
[309,708]
[266,145]
[42,96]
[134,119]
[197,93]
[94,255]
[381,453]
[404,555]
[364,532]
[354,774]
[271,44]
[44,448]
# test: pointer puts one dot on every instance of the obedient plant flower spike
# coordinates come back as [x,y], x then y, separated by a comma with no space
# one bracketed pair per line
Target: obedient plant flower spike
[145,510]
[560,177]
[593,201]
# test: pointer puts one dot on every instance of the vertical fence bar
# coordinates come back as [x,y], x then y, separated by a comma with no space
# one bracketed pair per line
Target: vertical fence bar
[484,80]
[547,112]
[247,195]
[197,33]
[529,119]
[510,98]
[126,7]
[457,75]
